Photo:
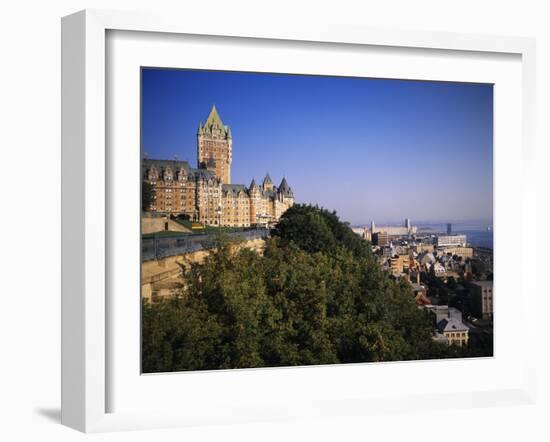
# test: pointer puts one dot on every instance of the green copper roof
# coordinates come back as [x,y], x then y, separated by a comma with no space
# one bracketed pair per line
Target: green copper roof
[214,118]
[214,122]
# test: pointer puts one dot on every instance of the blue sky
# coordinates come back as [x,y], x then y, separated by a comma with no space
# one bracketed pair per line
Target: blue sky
[367,148]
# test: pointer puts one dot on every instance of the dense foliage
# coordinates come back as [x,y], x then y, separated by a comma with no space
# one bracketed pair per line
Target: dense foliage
[146,195]
[314,229]
[316,296]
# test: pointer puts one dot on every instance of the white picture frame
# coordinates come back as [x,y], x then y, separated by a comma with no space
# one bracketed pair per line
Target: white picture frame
[85,308]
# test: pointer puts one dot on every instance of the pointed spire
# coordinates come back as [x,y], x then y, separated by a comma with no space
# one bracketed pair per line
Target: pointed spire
[284,188]
[252,184]
[215,122]
[199,132]
[267,179]
[214,118]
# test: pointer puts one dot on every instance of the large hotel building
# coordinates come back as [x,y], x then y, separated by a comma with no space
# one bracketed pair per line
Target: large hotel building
[205,193]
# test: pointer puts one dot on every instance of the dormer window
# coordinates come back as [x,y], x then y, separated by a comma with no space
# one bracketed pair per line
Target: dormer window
[153,174]
[182,175]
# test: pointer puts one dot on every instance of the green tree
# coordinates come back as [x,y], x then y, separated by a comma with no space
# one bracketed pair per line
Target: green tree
[146,195]
[315,296]
[314,229]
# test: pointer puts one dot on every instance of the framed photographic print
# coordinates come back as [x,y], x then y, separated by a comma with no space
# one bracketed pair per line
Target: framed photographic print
[269,223]
[254,275]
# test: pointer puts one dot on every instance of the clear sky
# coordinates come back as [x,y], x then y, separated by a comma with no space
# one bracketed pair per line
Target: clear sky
[367,148]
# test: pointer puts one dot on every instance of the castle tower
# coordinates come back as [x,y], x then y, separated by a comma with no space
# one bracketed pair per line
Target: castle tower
[215,146]
[255,202]
[267,183]
[285,192]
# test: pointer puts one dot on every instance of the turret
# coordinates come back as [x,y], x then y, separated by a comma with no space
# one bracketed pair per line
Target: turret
[267,183]
[284,189]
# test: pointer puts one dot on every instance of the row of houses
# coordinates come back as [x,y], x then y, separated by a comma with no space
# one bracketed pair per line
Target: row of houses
[450,258]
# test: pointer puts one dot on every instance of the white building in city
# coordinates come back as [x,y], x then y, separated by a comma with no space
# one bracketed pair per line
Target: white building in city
[451,241]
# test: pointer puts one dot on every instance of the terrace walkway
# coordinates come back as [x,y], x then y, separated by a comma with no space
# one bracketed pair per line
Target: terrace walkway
[164,257]
[155,248]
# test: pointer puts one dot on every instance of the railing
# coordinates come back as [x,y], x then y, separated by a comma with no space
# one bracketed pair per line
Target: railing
[161,247]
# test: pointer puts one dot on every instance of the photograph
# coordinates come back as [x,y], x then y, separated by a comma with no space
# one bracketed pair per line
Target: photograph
[303,220]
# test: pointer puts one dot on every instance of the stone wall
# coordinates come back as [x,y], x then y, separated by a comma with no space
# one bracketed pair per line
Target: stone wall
[160,224]
[162,278]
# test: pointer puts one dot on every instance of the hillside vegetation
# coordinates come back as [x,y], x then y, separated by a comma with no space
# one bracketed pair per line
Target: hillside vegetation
[316,296]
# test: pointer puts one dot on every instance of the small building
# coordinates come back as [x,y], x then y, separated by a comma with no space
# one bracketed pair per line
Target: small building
[394,231]
[463,252]
[482,298]
[400,263]
[451,240]
[454,330]
[381,239]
